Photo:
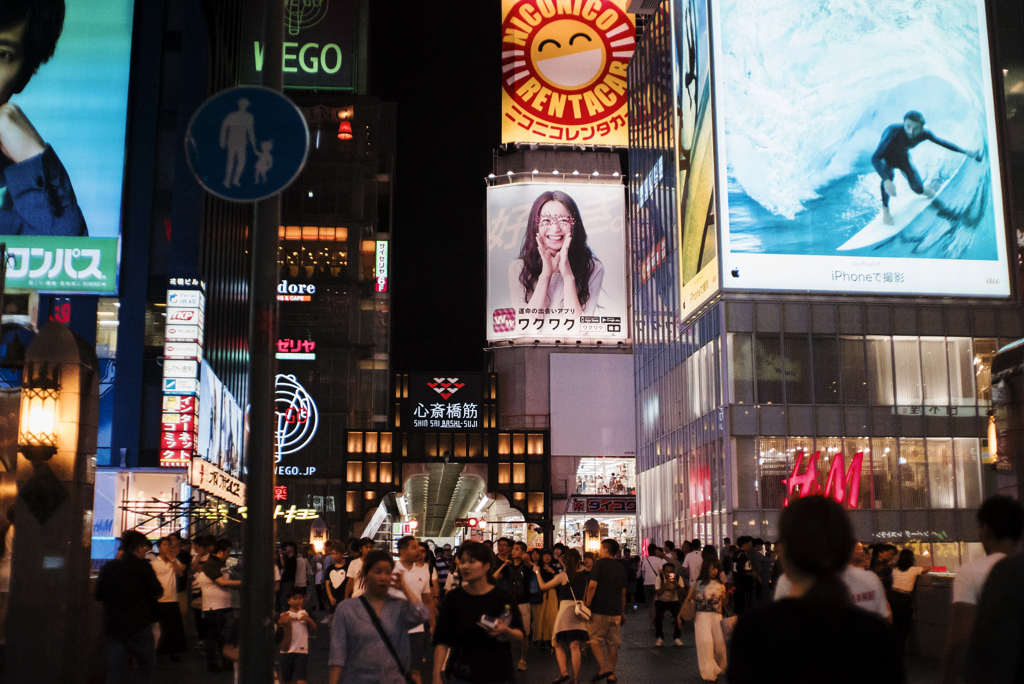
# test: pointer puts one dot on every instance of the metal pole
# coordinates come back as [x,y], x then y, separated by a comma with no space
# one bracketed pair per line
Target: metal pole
[256,636]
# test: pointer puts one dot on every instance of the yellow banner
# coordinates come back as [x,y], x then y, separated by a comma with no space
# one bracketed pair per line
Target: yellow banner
[564,71]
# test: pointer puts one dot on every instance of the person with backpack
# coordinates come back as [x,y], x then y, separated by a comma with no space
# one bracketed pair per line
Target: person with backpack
[651,569]
[513,577]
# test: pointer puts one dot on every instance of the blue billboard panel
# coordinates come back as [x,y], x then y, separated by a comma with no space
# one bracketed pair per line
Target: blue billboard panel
[857,147]
[63,142]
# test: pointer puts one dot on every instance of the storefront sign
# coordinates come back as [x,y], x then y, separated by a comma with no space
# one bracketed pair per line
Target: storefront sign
[289,514]
[183,354]
[601,504]
[443,401]
[297,416]
[295,292]
[296,350]
[381,268]
[207,477]
[839,487]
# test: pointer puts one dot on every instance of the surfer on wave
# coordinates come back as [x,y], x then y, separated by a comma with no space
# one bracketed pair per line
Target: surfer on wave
[894,153]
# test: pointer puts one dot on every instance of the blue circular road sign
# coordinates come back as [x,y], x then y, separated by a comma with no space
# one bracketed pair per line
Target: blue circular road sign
[246,144]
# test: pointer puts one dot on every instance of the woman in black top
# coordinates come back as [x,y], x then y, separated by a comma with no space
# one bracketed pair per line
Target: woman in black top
[478,623]
[818,635]
[570,586]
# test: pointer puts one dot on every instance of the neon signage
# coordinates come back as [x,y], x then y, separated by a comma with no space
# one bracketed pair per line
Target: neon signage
[296,350]
[381,269]
[295,292]
[842,488]
[297,416]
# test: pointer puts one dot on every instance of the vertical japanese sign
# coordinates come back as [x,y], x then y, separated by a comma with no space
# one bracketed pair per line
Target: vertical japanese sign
[183,353]
[381,267]
[61,181]
[543,235]
[564,71]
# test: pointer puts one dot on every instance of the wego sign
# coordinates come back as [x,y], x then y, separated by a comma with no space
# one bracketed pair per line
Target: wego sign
[837,485]
[564,71]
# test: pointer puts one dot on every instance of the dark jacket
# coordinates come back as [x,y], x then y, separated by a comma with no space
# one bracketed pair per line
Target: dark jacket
[129,589]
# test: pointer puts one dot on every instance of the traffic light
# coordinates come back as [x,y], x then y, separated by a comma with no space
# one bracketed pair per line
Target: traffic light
[471,522]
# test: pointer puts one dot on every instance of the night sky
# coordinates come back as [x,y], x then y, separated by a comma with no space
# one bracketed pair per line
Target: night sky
[441,63]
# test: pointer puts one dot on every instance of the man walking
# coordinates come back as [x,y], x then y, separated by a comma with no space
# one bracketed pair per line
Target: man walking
[650,569]
[692,563]
[172,630]
[606,598]
[514,578]
[216,588]
[128,589]
[418,579]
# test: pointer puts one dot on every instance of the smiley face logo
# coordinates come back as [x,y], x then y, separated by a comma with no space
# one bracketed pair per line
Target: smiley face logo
[565,62]
[568,54]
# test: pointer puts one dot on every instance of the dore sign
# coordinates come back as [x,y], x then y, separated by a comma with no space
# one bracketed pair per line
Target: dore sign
[563,68]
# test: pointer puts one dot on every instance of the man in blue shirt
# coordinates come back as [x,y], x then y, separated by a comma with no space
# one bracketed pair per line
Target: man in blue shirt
[894,153]
[36,197]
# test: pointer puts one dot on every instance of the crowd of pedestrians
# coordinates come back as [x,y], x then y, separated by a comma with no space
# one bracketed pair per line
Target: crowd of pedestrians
[804,610]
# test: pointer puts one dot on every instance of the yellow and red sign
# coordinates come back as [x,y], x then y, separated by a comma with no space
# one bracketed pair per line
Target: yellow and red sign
[564,71]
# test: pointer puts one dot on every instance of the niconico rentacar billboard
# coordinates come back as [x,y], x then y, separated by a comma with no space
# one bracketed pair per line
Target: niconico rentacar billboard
[563,71]
[63,141]
[556,262]
[857,147]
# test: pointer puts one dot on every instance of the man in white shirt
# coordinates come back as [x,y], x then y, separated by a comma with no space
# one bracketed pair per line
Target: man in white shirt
[693,562]
[418,579]
[216,588]
[356,584]
[172,630]
[650,570]
[866,590]
[1000,520]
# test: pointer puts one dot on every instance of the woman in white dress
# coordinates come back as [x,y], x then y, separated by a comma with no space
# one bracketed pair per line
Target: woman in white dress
[709,594]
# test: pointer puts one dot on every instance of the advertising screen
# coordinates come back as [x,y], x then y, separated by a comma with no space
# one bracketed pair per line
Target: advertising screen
[63,154]
[857,147]
[695,154]
[219,423]
[540,236]
[563,70]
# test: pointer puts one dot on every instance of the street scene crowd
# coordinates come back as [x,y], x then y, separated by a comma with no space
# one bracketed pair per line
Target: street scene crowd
[804,609]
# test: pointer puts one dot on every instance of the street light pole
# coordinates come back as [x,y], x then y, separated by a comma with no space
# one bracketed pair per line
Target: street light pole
[256,636]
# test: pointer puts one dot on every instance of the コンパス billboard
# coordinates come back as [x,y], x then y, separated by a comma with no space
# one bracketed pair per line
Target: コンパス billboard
[63,108]
[564,71]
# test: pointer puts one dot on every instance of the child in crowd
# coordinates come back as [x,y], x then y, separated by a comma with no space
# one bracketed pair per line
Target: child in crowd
[295,644]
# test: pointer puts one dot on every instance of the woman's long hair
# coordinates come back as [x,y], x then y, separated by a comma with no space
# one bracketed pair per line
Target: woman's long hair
[572,562]
[581,259]
[906,560]
[817,540]
[711,567]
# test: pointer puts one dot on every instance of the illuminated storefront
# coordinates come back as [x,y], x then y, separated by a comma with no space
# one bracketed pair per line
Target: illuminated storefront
[748,395]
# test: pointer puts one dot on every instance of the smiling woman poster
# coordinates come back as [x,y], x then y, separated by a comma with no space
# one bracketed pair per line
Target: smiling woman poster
[564,71]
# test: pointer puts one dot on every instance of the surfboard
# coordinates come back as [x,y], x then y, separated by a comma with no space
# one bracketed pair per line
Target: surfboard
[904,207]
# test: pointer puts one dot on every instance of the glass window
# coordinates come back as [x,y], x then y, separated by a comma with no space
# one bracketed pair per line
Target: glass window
[984,352]
[768,356]
[906,353]
[854,378]
[741,374]
[852,447]
[960,355]
[775,466]
[935,378]
[798,369]
[940,473]
[879,369]
[913,474]
[825,355]
[967,455]
[885,473]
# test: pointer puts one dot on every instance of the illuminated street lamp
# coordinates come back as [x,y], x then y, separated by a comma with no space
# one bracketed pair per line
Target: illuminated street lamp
[592,536]
[318,535]
[55,475]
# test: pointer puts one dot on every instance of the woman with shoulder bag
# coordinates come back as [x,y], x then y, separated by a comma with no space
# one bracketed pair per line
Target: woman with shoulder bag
[370,634]
[708,596]
[570,630]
